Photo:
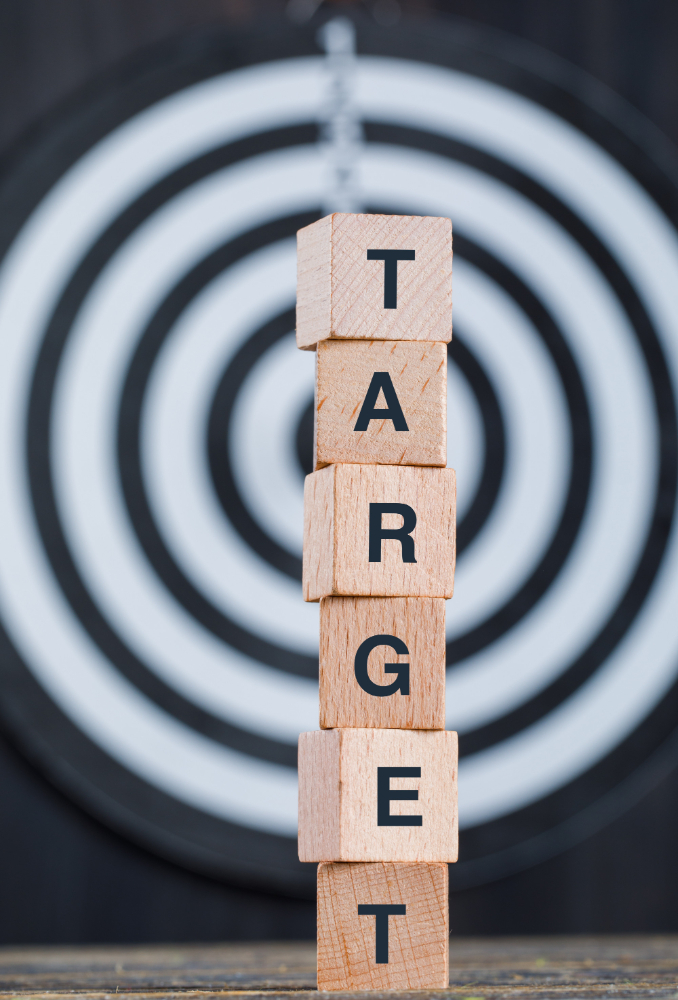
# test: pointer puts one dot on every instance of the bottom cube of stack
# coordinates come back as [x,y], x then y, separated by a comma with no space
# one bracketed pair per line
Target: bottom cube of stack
[382,926]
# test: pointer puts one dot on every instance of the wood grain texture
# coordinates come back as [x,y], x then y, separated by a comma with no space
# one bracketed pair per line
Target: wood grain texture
[345,623]
[344,372]
[319,552]
[498,968]
[336,532]
[338,795]
[340,293]
[314,279]
[320,792]
[417,940]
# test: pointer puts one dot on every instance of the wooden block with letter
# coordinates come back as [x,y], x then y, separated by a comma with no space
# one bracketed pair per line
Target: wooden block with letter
[374,277]
[379,531]
[381,401]
[383,926]
[378,795]
[382,663]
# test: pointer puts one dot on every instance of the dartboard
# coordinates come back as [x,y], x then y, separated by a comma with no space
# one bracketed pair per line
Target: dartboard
[158,661]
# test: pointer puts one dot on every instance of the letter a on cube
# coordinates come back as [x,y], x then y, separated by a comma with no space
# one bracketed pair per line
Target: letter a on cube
[379,531]
[383,926]
[380,402]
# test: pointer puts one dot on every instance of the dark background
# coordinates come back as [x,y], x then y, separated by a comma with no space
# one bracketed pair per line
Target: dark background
[64,877]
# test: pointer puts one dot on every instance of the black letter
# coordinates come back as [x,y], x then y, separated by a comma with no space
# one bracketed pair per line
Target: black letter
[402,535]
[381,381]
[401,683]
[385,793]
[390,259]
[382,911]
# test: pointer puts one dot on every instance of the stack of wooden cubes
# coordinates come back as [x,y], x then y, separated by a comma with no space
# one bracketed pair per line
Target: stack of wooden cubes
[378,782]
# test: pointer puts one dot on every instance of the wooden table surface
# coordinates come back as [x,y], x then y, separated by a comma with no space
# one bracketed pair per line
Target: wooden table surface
[490,968]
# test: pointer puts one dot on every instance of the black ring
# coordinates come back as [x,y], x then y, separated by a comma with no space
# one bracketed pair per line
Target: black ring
[494,434]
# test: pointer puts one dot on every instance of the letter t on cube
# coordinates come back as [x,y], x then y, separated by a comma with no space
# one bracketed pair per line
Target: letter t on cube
[374,277]
[382,926]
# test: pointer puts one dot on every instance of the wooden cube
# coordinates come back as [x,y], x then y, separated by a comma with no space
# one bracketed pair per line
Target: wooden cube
[374,277]
[380,401]
[382,663]
[378,795]
[383,926]
[379,531]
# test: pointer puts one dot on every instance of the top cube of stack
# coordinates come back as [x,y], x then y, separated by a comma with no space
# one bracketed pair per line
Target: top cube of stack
[374,277]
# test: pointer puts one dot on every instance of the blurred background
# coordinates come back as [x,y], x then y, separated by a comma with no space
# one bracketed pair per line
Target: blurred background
[156,659]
